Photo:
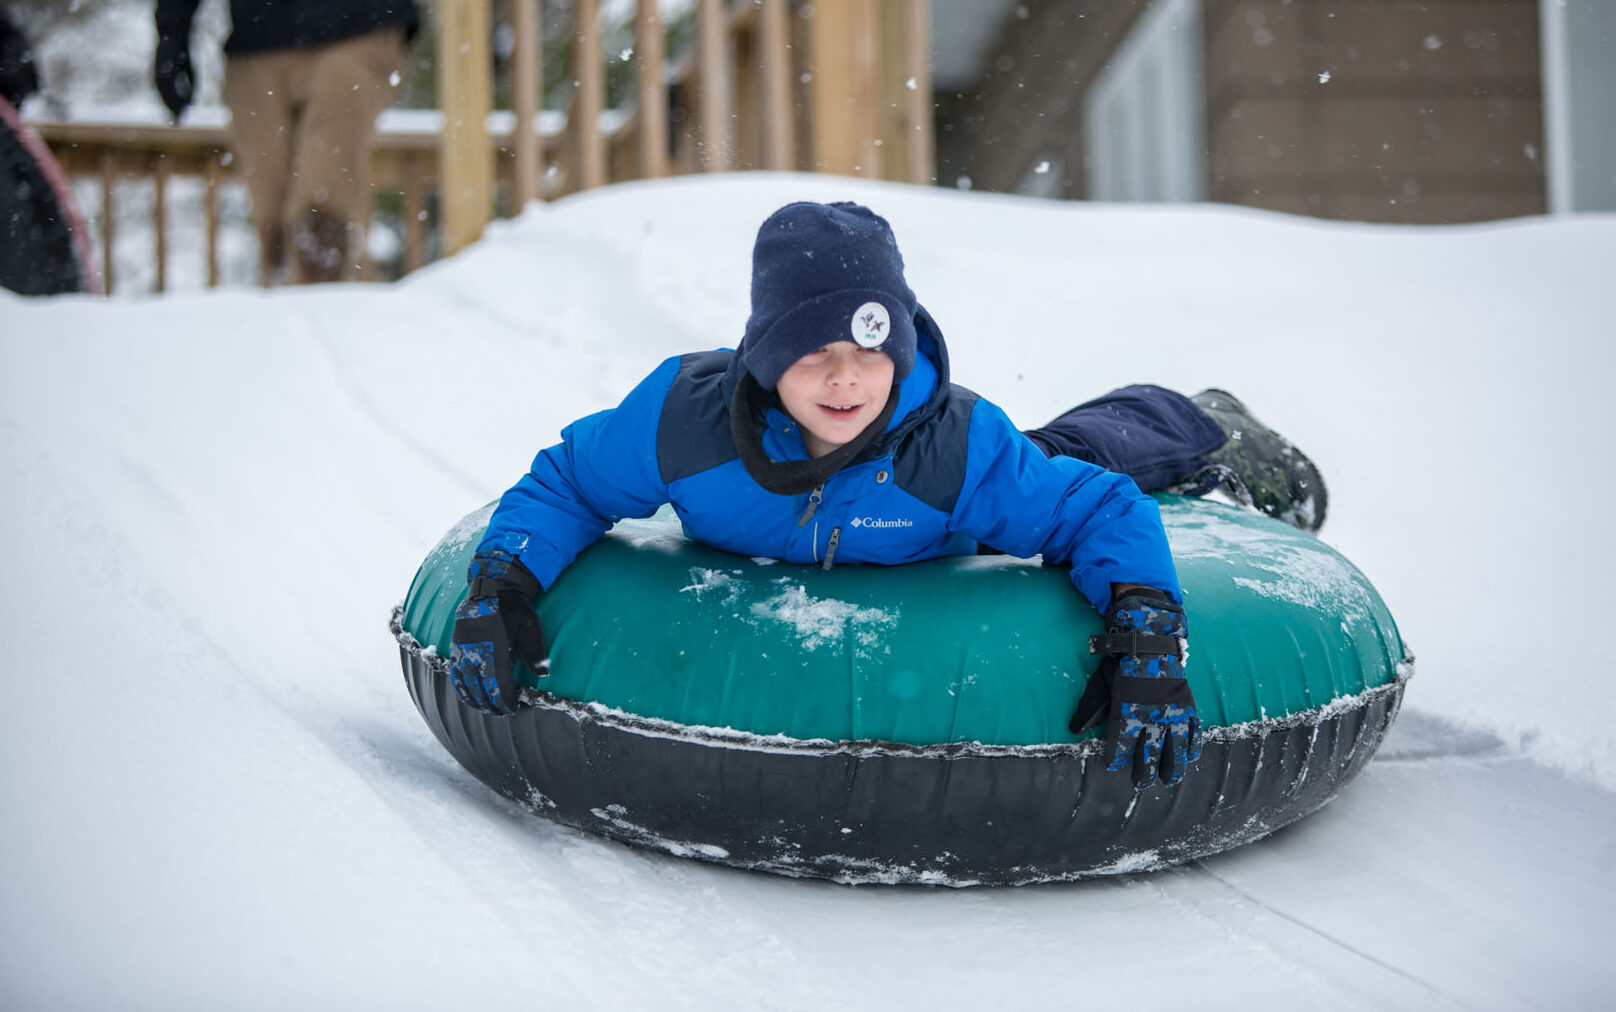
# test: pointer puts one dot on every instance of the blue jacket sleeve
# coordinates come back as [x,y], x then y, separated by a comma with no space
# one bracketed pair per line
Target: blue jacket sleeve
[1072,512]
[604,469]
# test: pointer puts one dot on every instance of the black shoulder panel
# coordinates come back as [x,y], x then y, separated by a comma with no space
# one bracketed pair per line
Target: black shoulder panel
[930,463]
[693,432]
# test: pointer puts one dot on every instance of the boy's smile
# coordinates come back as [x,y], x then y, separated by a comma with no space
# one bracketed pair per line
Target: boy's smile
[835,392]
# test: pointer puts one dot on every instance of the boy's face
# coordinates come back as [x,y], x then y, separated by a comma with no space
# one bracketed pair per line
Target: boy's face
[835,392]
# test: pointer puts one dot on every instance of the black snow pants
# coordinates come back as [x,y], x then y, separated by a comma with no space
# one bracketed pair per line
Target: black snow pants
[1155,436]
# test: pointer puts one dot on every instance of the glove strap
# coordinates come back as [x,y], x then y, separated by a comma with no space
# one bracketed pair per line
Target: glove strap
[1153,691]
[516,577]
[1136,643]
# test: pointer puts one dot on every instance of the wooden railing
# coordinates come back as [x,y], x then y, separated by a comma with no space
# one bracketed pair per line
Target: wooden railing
[840,86]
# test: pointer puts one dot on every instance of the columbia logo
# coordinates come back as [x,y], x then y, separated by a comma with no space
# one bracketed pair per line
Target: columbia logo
[873,522]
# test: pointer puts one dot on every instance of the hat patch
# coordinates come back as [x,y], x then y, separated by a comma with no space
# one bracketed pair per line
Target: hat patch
[871,325]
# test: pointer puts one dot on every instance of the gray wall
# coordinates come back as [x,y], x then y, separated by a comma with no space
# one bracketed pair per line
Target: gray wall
[1588,75]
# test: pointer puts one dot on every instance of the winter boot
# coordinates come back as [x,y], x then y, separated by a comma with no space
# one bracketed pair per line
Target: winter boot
[320,241]
[1259,467]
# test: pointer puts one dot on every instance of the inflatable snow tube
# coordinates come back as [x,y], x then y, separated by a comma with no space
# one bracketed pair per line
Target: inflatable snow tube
[907,724]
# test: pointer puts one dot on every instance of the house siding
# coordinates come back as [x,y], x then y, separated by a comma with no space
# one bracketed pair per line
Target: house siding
[1376,110]
[1420,111]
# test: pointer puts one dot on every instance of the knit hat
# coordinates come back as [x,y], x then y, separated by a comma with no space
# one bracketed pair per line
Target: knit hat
[823,273]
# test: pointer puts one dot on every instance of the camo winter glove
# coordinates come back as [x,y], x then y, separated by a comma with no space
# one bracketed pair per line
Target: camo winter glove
[1140,691]
[494,624]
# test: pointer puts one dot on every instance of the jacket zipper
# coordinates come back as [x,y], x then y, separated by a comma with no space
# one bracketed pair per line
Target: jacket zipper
[830,547]
[814,499]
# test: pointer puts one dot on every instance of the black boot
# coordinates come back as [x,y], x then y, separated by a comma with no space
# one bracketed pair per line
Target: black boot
[1261,468]
[321,243]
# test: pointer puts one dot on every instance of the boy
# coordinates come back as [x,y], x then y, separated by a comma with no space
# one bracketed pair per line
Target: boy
[837,405]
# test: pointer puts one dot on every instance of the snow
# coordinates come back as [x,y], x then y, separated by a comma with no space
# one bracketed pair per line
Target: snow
[218,794]
[812,622]
[802,621]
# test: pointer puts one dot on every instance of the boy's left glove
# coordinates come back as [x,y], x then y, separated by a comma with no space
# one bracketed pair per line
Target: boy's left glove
[1139,689]
[494,626]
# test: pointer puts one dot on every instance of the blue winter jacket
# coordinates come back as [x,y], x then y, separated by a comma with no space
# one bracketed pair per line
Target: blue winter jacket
[950,473]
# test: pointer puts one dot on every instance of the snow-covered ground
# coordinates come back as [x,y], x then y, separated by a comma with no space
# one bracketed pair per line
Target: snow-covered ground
[215,793]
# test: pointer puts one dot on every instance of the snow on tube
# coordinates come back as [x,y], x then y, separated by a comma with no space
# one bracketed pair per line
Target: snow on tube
[907,724]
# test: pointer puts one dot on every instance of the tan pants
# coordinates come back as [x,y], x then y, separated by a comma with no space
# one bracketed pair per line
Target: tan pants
[301,121]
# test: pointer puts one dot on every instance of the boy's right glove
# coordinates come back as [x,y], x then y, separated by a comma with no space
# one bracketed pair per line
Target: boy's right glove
[493,624]
[1139,689]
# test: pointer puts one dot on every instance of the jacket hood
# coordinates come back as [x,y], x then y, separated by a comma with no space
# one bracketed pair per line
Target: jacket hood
[925,388]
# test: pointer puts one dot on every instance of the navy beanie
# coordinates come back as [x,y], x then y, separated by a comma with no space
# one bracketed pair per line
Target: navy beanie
[823,273]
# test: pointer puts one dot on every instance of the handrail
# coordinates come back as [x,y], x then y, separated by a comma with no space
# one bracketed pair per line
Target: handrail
[404,158]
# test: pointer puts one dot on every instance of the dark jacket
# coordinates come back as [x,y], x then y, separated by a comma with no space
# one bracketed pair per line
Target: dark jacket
[258,26]
[950,473]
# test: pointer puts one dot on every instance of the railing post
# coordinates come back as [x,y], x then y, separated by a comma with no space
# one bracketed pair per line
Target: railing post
[160,218]
[210,207]
[465,90]
[109,214]
[845,91]
[918,124]
[905,115]
[653,91]
[414,216]
[774,56]
[717,104]
[589,63]
[526,83]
